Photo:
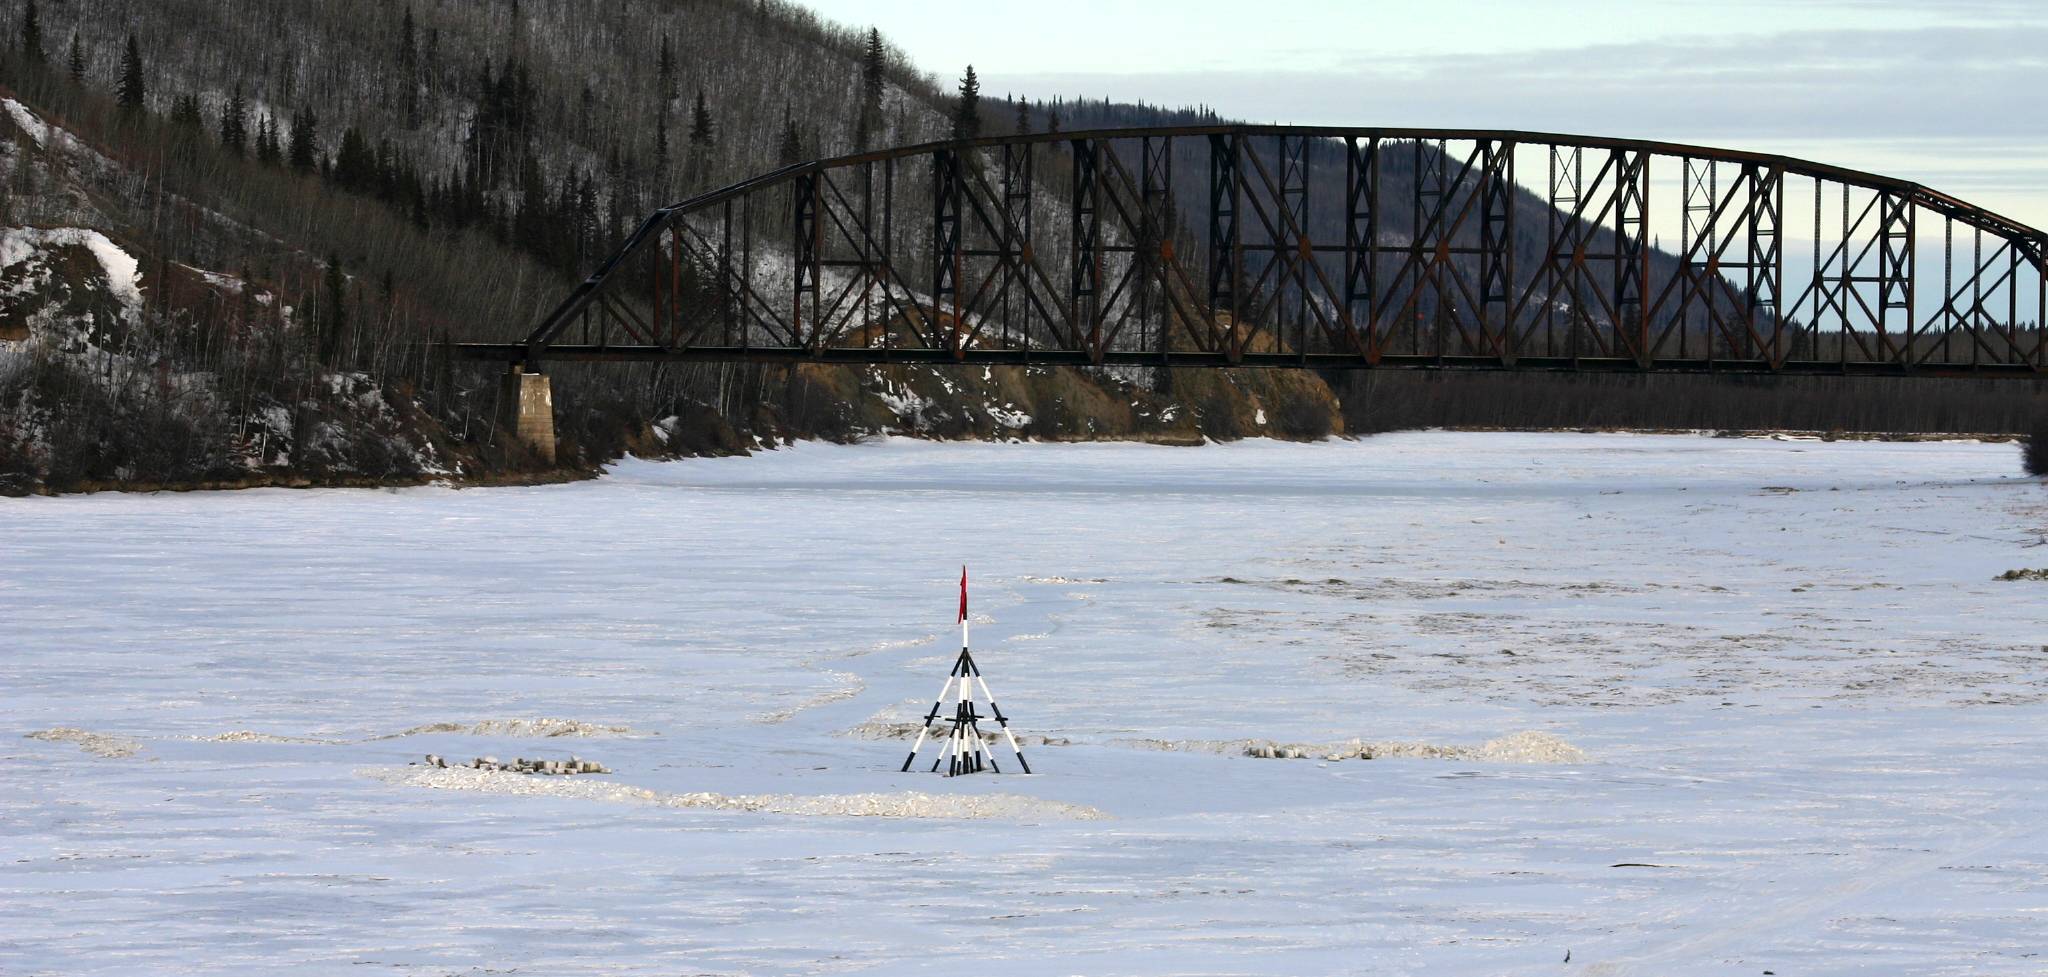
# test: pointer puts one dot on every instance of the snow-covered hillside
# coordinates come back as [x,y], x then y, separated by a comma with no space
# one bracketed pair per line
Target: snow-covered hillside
[135,359]
[1669,705]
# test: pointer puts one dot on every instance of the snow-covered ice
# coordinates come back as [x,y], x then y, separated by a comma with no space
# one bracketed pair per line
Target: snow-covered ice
[1775,712]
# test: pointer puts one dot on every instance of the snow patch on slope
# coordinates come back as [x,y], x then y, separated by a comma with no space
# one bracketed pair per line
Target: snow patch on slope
[36,128]
[123,271]
[1008,417]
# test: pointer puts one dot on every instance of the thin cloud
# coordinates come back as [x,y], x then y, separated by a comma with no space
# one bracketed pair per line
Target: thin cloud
[1937,83]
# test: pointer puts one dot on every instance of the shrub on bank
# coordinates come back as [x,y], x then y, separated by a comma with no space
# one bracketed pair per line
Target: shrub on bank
[1303,419]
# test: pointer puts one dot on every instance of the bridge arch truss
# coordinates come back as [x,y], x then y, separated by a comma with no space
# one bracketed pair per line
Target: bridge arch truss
[1318,247]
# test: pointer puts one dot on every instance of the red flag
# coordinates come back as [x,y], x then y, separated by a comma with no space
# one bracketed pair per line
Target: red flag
[963,593]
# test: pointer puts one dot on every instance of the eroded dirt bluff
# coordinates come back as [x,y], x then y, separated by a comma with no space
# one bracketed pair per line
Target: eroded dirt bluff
[1059,403]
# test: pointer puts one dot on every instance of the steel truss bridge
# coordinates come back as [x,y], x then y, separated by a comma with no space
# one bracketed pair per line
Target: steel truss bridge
[1317,247]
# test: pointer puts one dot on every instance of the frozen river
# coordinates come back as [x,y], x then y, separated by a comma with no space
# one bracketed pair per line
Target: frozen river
[1772,710]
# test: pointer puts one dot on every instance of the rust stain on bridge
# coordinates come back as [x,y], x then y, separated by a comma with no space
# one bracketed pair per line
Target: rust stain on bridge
[1082,249]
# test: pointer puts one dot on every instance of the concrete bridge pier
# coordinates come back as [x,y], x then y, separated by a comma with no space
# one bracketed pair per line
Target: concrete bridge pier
[526,407]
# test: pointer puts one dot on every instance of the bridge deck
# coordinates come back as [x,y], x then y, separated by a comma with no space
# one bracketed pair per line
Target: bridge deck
[574,353]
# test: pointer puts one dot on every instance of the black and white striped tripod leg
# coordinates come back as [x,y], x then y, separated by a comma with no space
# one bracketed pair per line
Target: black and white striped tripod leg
[1002,721]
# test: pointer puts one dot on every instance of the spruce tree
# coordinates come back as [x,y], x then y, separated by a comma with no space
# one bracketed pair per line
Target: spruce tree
[873,63]
[701,129]
[589,224]
[702,136]
[530,224]
[661,153]
[185,113]
[408,68]
[131,94]
[408,42]
[334,312]
[431,58]
[967,111]
[77,60]
[566,239]
[305,151]
[267,151]
[419,205]
[791,151]
[32,34]
[666,67]
[387,171]
[355,167]
[1023,118]
[234,123]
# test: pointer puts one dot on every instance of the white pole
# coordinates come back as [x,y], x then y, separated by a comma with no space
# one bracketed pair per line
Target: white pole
[955,743]
[960,732]
[1000,720]
[982,747]
[926,728]
[940,702]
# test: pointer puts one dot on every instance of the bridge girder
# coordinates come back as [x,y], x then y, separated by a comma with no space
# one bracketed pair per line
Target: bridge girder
[1291,254]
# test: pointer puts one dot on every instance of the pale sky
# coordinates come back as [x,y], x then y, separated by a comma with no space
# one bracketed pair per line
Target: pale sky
[1946,92]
